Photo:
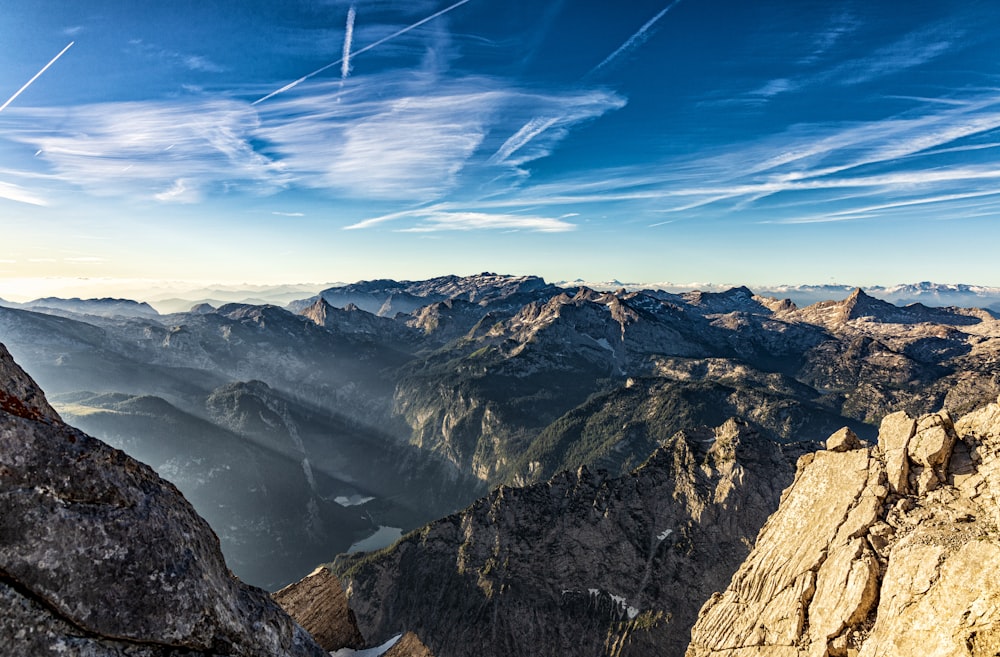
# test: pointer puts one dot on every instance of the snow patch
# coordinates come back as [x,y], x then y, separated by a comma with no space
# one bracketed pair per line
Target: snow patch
[603,342]
[367,652]
[619,600]
[353,500]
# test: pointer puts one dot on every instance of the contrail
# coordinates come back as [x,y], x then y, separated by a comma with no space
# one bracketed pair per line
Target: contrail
[345,62]
[291,85]
[528,131]
[28,83]
[538,125]
[633,40]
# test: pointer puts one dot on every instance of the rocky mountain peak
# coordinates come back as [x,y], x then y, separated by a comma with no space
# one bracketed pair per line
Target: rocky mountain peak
[859,304]
[105,307]
[318,311]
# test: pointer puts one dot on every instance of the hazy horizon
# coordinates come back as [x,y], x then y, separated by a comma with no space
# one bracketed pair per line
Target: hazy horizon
[156,291]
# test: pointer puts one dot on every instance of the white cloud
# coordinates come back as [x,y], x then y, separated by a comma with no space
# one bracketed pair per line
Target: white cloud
[412,139]
[150,149]
[191,62]
[446,221]
[13,192]
[842,25]
[182,191]
[909,52]
[552,118]
[773,88]
[376,137]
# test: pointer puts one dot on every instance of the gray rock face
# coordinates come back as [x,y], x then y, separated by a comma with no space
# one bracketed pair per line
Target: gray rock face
[99,556]
[583,564]
[849,565]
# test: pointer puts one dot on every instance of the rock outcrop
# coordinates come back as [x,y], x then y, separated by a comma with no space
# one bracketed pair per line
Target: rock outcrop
[875,551]
[409,645]
[583,564]
[99,556]
[318,603]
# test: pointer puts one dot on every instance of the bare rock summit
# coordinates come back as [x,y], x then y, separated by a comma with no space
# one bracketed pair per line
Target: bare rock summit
[875,552]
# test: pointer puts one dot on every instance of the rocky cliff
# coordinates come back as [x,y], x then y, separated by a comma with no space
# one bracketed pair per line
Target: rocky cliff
[318,603]
[583,564]
[99,556]
[875,551]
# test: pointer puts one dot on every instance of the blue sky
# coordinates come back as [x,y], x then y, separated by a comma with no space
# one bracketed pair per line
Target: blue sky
[694,140]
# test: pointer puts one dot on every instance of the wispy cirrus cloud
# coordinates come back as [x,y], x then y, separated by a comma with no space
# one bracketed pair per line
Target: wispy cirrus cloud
[806,174]
[191,62]
[868,211]
[12,192]
[437,219]
[408,147]
[165,150]
[908,52]
[375,137]
[840,26]
[555,115]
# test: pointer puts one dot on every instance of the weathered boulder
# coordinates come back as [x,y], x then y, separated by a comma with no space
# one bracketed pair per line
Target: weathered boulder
[99,556]
[851,565]
[843,440]
[894,434]
[929,450]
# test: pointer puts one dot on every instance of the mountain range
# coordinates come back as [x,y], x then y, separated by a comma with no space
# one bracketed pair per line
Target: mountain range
[375,407]
[573,471]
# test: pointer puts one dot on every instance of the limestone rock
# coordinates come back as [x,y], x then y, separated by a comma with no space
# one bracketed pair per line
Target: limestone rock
[318,603]
[894,434]
[930,448]
[768,600]
[99,556]
[843,441]
[838,570]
